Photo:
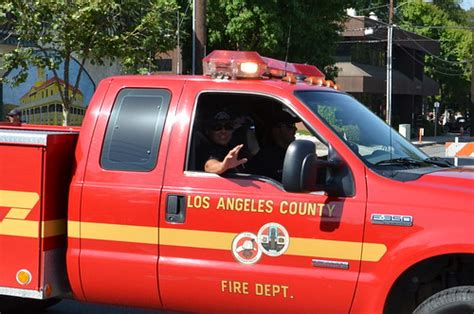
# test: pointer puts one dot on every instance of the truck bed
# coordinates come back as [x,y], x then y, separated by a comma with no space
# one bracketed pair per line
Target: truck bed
[35,171]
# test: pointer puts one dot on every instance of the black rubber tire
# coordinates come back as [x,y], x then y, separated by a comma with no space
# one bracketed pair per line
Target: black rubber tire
[24,305]
[456,300]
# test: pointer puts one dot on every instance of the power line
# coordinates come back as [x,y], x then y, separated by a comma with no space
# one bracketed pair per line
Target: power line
[434,69]
[415,41]
[372,41]
[410,55]
[436,57]
[434,26]
[442,26]
[384,40]
[372,8]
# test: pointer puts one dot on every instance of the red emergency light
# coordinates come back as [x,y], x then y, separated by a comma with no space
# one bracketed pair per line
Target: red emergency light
[249,64]
[280,68]
[234,64]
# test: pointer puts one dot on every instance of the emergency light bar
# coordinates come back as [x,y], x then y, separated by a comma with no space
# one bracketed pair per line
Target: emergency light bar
[249,64]
[280,68]
[234,64]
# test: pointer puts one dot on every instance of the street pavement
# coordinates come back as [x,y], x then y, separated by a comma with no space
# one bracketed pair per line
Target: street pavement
[76,307]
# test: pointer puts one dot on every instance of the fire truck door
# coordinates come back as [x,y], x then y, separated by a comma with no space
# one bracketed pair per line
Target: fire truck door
[245,244]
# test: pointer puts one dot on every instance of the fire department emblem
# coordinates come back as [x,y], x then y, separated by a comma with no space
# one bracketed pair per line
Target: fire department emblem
[273,239]
[245,248]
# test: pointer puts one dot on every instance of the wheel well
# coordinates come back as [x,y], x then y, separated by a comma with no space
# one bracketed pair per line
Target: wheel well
[428,277]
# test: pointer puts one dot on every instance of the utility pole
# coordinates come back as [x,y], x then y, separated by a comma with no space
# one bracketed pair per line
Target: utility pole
[193,61]
[388,115]
[471,109]
[199,34]
[178,48]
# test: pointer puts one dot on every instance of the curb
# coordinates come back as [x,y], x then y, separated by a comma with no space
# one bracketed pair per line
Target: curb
[423,144]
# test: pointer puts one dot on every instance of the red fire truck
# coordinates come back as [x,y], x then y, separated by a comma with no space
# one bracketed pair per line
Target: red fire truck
[121,211]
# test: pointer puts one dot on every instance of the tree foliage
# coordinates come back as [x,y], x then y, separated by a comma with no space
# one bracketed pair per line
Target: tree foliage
[379,7]
[444,21]
[50,32]
[470,16]
[302,31]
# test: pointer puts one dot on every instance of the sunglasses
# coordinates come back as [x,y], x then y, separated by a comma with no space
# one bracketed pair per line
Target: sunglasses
[220,126]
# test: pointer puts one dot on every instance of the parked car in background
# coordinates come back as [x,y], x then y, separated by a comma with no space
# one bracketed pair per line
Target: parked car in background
[456,125]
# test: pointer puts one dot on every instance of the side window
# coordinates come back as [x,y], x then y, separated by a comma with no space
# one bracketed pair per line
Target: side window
[264,125]
[134,130]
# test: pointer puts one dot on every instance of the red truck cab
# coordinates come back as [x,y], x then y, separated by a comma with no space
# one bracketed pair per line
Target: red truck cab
[361,221]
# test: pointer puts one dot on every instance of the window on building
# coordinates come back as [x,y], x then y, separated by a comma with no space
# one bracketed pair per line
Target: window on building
[164,65]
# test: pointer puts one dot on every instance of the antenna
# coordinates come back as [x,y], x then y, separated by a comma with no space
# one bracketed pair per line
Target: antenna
[287,47]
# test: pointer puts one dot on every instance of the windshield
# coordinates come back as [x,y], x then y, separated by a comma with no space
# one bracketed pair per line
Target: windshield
[366,134]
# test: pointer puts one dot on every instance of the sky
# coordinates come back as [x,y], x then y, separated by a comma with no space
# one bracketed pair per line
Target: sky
[466,4]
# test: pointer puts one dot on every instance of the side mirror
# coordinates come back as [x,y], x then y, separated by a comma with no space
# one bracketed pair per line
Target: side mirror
[301,168]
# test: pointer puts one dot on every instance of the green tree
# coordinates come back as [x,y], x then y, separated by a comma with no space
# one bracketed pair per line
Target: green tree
[453,10]
[50,32]
[443,21]
[470,16]
[379,7]
[266,26]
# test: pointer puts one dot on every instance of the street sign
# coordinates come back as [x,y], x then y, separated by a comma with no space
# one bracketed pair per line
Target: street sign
[436,107]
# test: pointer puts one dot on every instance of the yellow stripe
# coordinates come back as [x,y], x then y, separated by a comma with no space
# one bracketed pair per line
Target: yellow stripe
[18,199]
[17,213]
[298,246]
[325,248]
[20,228]
[113,232]
[30,228]
[221,240]
[373,252]
[73,229]
[197,239]
[51,228]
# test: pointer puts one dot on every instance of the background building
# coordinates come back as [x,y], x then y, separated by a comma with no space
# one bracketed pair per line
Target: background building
[361,58]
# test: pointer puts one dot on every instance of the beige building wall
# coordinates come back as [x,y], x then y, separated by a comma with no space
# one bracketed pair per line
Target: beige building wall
[98,73]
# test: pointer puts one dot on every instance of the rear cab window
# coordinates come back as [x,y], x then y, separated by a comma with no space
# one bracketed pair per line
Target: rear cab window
[134,129]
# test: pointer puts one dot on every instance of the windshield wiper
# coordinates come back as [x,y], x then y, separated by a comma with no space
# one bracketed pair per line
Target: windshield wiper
[438,161]
[403,161]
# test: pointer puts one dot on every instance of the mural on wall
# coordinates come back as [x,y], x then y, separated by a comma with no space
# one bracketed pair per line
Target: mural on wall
[39,97]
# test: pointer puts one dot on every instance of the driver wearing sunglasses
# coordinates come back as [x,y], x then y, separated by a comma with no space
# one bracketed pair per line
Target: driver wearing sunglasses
[222,158]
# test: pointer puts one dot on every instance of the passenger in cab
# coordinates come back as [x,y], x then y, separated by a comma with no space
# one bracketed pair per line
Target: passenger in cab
[269,160]
[222,158]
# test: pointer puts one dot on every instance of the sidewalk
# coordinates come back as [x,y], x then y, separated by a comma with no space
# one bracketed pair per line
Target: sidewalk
[441,139]
[435,147]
